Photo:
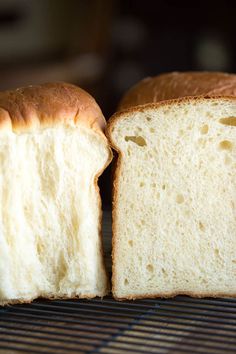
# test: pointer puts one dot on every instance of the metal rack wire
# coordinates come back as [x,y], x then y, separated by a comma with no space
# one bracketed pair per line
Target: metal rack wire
[180,325]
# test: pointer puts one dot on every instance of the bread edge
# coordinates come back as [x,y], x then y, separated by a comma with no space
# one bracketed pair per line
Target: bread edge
[100,230]
[51,298]
[168,295]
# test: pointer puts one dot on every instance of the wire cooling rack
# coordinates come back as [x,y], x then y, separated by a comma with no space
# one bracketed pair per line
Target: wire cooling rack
[179,325]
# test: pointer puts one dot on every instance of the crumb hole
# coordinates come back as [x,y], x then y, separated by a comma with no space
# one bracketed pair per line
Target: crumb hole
[126,281]
[131,243]
[187,212]
[209,114]
[228,121]
[202,142]
[148,119]
[141,184]
[234,261]
[40,248]
[179,199]
[227,160]
[152,130]
[225,145]
[139,140]
[163,271]
[150,268]
[217,252]
[201,226]
[204,129]
[164,187]
[153,185]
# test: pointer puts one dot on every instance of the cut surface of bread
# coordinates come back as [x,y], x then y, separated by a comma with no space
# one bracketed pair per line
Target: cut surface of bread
[50,218]
[174,203]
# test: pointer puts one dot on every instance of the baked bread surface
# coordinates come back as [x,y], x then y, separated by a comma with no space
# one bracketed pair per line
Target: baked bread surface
[50,104]
[52,151]
[179,84]
[174,197]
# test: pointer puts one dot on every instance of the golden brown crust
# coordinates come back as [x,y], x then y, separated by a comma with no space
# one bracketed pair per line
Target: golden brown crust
[108,287]
[46,105]
[176,85]
[111,123]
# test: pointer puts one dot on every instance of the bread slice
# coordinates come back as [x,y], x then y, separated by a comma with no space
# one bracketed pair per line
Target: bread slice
[174,202]
[52,150]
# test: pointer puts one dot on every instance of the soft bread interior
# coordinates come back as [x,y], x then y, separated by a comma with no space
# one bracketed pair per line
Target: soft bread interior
[50,214]
[175,198]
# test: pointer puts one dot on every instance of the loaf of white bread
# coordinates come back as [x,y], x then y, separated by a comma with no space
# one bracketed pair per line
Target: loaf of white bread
[52,150]
[174,201]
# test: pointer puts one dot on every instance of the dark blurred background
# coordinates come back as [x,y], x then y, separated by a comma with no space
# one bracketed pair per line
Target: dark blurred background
[107,46]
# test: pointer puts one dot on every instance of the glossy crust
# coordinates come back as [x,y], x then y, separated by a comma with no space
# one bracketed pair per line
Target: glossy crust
[34,107]
[111,123]
[176,85]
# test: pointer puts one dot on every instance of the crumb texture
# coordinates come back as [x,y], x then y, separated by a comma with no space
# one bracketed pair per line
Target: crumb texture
[49,214]
[175,200]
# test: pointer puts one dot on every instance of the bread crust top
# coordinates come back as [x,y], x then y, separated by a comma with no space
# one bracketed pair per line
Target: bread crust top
[35,107]
[179,84]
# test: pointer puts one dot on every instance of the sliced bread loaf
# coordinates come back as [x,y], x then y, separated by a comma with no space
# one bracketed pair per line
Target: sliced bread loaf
[52,150]
[174,202]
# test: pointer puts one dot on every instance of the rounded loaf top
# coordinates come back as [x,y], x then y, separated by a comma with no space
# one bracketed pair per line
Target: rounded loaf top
[34,107]
[179,84]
